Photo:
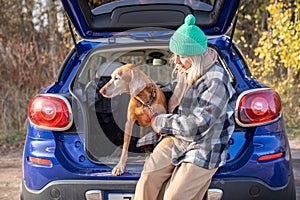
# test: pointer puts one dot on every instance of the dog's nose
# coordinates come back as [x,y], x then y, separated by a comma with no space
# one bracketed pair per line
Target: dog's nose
[102,91]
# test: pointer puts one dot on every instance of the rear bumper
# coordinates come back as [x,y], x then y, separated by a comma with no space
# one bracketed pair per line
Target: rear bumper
[231,188]
[250,188]
[75,189]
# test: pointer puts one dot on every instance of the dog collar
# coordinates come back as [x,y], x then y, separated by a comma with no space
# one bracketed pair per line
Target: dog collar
[153,94]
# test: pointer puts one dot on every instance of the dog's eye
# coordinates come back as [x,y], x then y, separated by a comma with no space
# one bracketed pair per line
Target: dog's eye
[117,77]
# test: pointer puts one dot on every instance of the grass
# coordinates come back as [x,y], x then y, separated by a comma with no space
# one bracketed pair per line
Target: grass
[12,140]
[293,132]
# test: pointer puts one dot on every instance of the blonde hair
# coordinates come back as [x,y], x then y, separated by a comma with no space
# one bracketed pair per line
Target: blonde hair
[194,72]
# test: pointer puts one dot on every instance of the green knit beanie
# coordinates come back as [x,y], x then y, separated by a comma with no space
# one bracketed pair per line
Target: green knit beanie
[188,39]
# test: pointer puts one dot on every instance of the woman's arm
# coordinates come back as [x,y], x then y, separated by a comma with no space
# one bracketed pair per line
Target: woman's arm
[208,102]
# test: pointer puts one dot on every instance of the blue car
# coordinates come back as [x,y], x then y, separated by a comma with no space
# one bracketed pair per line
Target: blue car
[75,135]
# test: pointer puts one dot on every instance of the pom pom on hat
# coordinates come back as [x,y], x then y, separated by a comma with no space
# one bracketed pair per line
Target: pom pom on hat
[188,39]
[190,20]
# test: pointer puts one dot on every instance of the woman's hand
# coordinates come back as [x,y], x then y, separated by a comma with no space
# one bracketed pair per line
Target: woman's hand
[173,103]
[152,116]
[152,122]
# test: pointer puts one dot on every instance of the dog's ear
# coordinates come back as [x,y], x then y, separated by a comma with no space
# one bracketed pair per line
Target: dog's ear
[137,83]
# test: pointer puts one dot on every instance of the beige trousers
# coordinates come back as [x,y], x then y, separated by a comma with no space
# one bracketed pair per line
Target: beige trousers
[162,180]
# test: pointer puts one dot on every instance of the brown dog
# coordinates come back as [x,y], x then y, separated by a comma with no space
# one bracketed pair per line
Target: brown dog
[146,98]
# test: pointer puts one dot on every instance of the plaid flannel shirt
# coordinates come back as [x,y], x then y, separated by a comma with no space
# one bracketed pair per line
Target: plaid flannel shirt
[204,123]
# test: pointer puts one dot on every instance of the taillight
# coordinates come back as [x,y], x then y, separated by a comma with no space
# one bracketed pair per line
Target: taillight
[270,157]
[40,161]
[51,112]
[257,107]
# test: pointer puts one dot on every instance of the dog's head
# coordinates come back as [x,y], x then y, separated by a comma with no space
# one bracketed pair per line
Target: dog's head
[125,79]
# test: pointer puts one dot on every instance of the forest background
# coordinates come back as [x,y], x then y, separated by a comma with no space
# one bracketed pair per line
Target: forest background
[35,38]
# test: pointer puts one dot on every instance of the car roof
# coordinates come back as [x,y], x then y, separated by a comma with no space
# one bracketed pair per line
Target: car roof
[214,17]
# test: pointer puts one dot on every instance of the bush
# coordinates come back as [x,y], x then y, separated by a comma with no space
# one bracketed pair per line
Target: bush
[24,71]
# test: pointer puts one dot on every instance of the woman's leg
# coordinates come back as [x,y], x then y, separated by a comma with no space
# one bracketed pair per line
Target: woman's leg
[157,169]
[188,181]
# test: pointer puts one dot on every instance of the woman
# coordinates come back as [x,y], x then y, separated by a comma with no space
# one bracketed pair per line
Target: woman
[195,140]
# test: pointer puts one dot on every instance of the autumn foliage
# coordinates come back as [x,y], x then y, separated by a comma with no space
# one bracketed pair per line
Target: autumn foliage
[276,60]
[34,42]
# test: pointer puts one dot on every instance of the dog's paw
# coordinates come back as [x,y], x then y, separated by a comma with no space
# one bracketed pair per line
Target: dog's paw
[118,170]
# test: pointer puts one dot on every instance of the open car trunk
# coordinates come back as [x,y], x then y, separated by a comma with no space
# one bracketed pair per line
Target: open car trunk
[95,19]
[105,118]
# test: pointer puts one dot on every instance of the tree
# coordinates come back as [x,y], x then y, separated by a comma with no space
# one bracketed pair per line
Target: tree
[252,21]
[31,45]
[30,49]
[278,56]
